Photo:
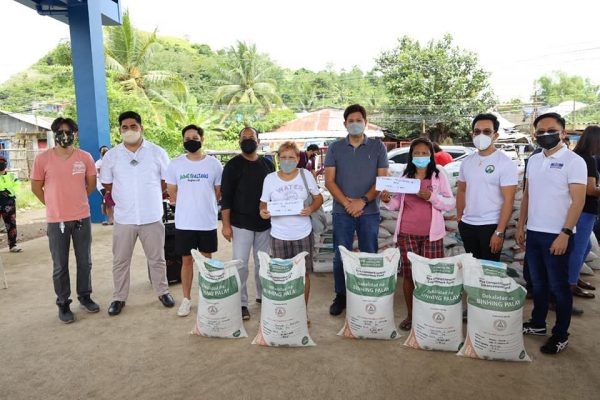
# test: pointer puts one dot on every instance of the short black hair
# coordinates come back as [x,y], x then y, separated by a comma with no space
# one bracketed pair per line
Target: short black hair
[248,127]
[60,120]
[486,117]
[313,147]
[102,147]
[130,114]
[194,127]
[355,108]
[554,115]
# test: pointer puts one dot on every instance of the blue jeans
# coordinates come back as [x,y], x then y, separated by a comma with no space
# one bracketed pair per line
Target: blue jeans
[344,226]
[581,245]
[549,274]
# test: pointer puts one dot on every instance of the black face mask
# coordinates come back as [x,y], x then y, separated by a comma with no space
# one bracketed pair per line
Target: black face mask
[548,141]
[192,145]
[2,166]
[248,146]
[65,140]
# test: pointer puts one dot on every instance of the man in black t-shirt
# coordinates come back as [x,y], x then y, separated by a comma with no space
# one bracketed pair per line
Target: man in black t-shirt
[241,187]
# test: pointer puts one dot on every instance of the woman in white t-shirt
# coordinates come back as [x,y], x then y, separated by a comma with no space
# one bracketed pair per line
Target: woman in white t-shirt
[291,234]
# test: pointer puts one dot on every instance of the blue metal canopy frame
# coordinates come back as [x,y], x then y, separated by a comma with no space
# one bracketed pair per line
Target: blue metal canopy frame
[85,19]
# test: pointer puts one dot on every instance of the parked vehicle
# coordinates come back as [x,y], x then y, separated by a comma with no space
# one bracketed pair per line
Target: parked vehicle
[400,155]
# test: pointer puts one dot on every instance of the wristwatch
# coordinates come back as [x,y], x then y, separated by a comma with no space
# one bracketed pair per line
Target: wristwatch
[499,234]
[567,231]
[365,199]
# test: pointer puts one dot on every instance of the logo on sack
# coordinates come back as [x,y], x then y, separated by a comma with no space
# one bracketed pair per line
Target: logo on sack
[237,333]
[394,334]
[438,317]
[490,169]
[500,325]
[370,308]
[279,311]
[212,310]
[305,340]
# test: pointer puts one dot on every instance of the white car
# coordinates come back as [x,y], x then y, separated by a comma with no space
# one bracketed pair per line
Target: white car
[400,155]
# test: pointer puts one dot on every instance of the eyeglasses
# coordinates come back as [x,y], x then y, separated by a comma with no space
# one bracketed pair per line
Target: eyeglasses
[61,132]
[486,132]
[549,132]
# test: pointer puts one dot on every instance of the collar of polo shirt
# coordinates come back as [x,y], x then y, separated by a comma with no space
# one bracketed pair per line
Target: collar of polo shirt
[365,140]
[558,153]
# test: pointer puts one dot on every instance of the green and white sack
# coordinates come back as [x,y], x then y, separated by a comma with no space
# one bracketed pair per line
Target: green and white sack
[370,287]
[219,298]
[495,313]
[437,308]
[283,319]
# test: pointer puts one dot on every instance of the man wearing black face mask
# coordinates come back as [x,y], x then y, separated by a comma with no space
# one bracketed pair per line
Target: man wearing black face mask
[242,183]
[552,202]
[8,209]
[192,179]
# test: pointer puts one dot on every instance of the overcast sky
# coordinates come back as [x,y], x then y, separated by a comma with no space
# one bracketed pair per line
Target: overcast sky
[517,41]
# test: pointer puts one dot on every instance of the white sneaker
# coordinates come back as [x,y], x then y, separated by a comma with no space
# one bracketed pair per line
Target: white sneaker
[184,308]
[16,249]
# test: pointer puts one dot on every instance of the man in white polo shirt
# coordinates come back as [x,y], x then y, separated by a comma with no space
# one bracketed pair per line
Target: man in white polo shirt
[553,198]
[134,172]
[486,191]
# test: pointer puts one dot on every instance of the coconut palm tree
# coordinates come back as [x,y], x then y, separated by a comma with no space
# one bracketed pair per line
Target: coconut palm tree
[128,52]
[244,80]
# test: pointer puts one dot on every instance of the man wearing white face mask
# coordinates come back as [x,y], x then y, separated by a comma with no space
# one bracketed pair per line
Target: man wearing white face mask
[486,191]
[352,166]
[135,172]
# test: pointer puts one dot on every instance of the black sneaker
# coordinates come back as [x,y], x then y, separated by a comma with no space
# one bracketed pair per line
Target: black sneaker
[338,305]
[89,304]
[245,313]
[259,301]
[64,312]
[555,345]
[530,329]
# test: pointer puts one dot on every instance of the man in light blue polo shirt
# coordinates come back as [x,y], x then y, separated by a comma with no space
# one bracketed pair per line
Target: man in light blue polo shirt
[352,165]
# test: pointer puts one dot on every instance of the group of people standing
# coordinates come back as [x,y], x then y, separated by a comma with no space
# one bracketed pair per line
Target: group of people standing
[136,173]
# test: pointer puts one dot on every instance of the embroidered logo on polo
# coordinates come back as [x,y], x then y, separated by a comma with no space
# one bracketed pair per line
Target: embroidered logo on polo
[490,169]
[557,165]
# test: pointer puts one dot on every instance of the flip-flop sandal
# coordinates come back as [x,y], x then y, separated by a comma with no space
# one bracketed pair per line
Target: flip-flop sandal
[579,292]
[104,223]
[585,285]
[405,325]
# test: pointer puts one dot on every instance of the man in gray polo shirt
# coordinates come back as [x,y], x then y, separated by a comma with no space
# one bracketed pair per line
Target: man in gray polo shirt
[352,165]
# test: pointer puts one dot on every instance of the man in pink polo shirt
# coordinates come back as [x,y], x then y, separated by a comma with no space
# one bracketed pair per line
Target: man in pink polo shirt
[62,178]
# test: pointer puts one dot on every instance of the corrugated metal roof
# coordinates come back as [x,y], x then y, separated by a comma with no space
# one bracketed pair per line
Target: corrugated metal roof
[42,122]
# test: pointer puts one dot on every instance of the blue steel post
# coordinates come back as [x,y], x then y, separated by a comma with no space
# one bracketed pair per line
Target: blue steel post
[85,23]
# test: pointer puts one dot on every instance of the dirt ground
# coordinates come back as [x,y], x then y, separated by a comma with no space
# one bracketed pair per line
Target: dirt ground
[148,353]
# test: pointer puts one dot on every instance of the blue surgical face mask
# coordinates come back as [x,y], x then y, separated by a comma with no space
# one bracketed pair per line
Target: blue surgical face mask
[421,162]
[356,128]
[287,166]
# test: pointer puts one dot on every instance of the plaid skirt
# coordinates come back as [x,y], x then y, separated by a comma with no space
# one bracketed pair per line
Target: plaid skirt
[290,248]
[419,245]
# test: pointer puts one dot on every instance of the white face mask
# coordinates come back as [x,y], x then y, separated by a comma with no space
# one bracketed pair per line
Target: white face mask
[482,141]
[356,128]
[131,137]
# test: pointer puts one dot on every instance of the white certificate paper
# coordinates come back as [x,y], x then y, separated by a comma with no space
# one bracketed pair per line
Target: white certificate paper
[397,185]
[285,207]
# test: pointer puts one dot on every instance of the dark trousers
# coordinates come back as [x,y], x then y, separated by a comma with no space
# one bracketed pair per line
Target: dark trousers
[344,226]
[8,211]
[60,243]
[476,239]
[549,276]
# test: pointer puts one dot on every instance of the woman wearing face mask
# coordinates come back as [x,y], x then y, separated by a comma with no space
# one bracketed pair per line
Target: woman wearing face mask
[8,209]
[420,227]
[291,234]
[587,147]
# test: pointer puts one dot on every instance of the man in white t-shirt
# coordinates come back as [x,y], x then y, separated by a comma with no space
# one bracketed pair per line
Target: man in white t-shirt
[553,199]
[134,172]
[194,184]
[486,191]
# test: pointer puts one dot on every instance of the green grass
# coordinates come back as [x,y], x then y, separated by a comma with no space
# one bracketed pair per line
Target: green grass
[26,198]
